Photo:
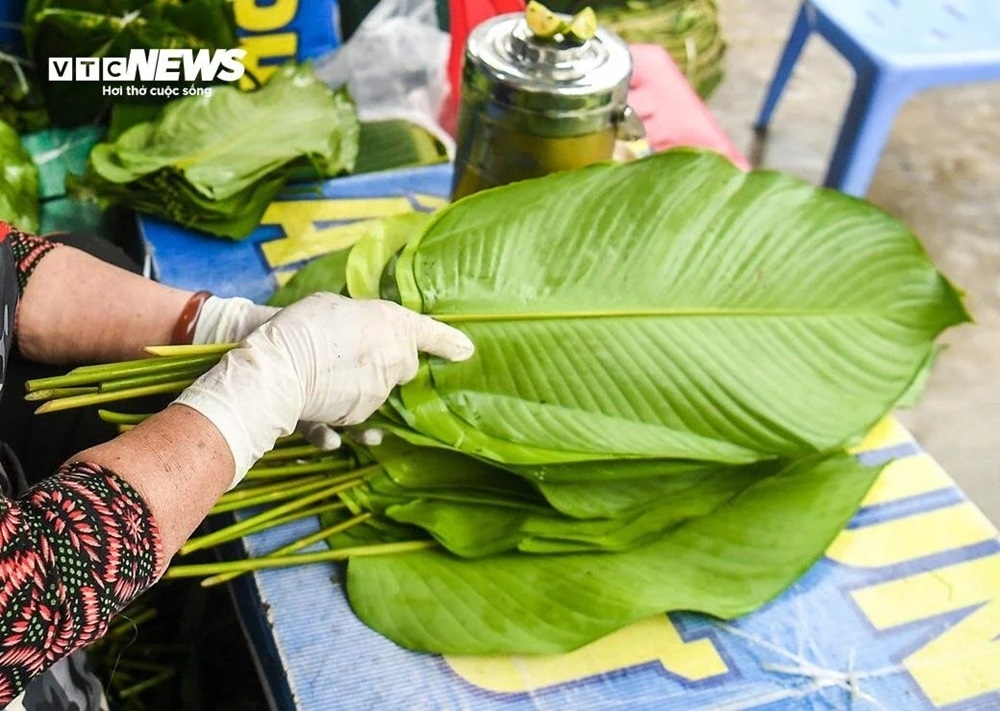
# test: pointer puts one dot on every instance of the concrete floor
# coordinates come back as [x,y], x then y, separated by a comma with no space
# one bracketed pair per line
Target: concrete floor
[939,173]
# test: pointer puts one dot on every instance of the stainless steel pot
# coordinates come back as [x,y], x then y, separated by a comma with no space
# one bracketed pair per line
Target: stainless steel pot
[533,106]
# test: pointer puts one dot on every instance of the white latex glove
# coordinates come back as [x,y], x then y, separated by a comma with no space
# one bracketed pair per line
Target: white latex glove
[230,320]
[326,358]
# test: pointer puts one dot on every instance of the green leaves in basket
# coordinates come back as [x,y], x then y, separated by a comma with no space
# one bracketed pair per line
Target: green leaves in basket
[215,163]
[18,182]
[689,30]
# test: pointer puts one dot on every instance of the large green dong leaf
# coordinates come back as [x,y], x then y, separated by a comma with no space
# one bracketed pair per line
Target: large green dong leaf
[672,307]
[371,253]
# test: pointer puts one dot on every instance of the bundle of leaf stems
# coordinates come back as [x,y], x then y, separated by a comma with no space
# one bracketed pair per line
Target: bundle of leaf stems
[293,481]
[174,369]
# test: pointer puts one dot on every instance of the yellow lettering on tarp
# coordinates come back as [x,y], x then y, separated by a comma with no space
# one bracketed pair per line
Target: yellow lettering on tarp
[964,661]
[430,202]
[653,639]
[906,477]
[303,240]
[887,433]
[279,47]
[254,17]
[316,243]
[911,537]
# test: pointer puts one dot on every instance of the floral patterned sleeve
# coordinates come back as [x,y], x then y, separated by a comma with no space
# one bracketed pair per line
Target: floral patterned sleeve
[76,548]
[74,551]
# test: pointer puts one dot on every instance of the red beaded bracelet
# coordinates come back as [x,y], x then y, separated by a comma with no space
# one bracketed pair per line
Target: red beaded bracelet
[183,333]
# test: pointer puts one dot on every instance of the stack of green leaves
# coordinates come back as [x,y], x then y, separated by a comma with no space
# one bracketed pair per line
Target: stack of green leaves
[671,358]
[18,182]
[215,162]
[672,355]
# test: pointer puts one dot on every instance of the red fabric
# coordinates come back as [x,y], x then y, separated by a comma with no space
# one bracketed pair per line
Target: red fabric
[671,111]
[464,15]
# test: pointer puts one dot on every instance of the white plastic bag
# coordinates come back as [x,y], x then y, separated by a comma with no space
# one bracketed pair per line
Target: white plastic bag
[395,65]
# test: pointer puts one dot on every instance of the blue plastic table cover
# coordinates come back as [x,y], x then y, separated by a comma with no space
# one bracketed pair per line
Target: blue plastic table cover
[903,612]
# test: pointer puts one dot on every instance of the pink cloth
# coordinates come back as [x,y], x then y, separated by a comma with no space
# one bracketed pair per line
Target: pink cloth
[671,111]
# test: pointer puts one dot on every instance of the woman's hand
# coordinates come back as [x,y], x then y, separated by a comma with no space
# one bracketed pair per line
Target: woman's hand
[230,320]
[326,358]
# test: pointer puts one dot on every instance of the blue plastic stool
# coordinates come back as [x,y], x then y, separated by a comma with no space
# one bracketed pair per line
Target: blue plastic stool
[897,48]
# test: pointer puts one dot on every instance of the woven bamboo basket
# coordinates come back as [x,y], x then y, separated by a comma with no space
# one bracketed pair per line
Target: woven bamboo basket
[690,30]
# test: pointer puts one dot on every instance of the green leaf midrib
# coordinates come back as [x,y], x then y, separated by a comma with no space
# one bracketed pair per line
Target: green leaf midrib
[863,312]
